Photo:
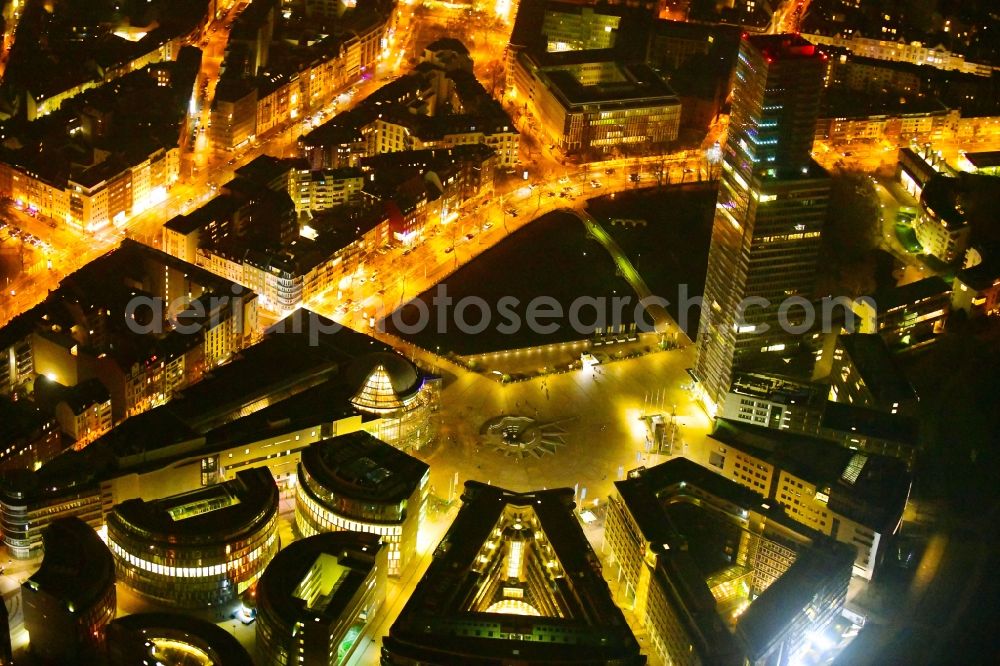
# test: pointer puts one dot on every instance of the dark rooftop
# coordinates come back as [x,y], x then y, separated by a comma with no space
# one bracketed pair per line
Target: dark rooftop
[355,551]
[131,633]
[877,367]
[207,515]
[981,276]
[940,198]
[358,466]
[842,102]
[779,389]
[782,47]
[592,629]
[84,395]
[77,568]
[447,44]
[843,417]
[874,496]
[639,84]
[912,293]
[640,491]
[19,420]
[791,595]
[984,160]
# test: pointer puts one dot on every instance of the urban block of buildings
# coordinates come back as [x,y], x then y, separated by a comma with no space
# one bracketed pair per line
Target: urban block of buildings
[305,382]
[107,154]
[58,54]
[317,598]
[440,104]
[200,548]
[856,498]
[513,579]
[268,82]
[357,483]
[717,574]
[976,289]
[289,232]
[581,72]
[138,321]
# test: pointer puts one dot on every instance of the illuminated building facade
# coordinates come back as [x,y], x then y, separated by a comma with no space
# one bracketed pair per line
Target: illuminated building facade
[853,497]
[261,410]
[403,399]
[579,28]
[717,575]
[910,315]
[358,483]
[317,597]
[942,228]
[200,548]
[70,600]
[779,403]
[28,437]
[168,638]
[433,107]
[770,212]
[976,290]
[513,579]
[255,95]
[589,105]
[84,411]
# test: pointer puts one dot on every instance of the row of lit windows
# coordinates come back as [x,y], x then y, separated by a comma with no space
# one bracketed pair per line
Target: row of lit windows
[192,572]
[332,522]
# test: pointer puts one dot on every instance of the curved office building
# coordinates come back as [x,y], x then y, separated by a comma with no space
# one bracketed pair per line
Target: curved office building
[316,598]
[358,483]
[388,386]
[70,600]
[201,548]
[168,638]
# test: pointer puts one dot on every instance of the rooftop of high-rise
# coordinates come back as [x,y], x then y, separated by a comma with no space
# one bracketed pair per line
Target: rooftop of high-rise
[784,46]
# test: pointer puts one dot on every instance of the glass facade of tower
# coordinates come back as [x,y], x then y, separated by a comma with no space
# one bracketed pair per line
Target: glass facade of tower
[769,214]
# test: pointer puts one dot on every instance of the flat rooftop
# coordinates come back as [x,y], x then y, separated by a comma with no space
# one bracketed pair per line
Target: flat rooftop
[843,417]
[333,565]
[984,160]
[868,488]
[640,491]
[912,293]
[877,367]
[779,389]
[782,47]
[631,85]
[77,568]
[214,515]
[361,467]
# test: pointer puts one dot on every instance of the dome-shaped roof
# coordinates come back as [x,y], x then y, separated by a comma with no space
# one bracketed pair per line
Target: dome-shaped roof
[382,381]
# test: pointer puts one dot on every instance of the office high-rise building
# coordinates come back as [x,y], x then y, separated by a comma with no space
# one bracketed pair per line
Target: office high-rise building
[770,211]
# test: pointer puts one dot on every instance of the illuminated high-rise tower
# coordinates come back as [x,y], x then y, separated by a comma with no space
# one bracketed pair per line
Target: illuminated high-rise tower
[770,211]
